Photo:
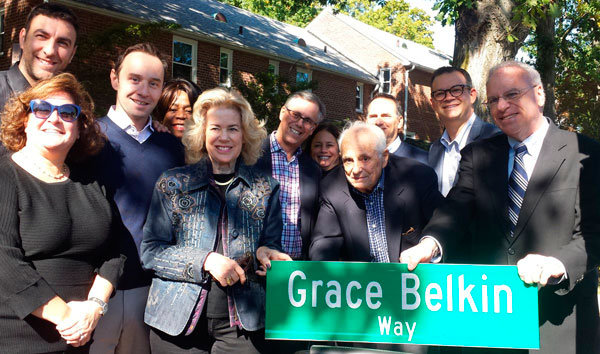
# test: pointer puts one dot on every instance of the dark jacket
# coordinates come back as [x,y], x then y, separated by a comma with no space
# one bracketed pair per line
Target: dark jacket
[411,151]
[409,199]
[181,231]
[310,176]
[12,82]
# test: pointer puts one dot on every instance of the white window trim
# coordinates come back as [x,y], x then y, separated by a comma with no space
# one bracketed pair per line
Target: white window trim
[275,64]
[381,82]
[362,96]
[2,34]
[194,45]
[229,68]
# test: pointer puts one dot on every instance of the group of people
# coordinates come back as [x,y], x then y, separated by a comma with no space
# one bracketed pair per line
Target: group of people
[123,235]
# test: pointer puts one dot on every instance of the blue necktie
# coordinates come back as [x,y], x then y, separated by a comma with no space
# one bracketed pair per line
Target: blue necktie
[517,185]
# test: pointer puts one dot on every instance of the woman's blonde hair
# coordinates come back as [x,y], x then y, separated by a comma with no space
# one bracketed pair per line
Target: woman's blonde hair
[194,137]
[15,116]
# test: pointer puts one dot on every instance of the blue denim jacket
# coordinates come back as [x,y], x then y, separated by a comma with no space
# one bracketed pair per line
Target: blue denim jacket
[181,231]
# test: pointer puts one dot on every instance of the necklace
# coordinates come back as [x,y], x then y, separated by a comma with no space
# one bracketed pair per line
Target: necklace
[224,183]
[61,175]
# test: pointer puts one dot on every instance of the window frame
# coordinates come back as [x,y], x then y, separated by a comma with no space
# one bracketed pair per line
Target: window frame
[2,29]
[275,65]
[360,95]
[308,72]
[382,81]
[194,65]
[229,67]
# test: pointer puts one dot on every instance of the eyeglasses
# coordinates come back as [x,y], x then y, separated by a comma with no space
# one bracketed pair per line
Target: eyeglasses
[509,96]
[454,91]
[296,116]
[67,112]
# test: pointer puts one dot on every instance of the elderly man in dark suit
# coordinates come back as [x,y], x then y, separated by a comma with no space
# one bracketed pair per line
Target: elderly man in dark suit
[385,112]
[452,99]
[532,196]
[374,205]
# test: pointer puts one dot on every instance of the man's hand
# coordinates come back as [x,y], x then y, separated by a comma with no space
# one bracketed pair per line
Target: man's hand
[421,253]
[535,268]
[265,255]
[159,127]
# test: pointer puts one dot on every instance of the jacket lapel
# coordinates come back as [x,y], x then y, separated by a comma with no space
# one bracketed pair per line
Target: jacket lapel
[495,172]
[475,131]
[393,210]
[548,163]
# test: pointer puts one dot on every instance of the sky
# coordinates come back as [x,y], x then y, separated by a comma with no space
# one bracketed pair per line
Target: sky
[443,37]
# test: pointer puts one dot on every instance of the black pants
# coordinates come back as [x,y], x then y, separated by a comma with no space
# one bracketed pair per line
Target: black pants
[212,335]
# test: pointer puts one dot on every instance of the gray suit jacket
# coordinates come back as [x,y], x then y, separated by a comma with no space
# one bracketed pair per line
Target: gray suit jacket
[560,217]
[479,131]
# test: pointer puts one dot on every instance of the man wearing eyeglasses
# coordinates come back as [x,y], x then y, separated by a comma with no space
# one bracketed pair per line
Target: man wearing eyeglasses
[385,112]
[532,196]
[452,99]
[297,173]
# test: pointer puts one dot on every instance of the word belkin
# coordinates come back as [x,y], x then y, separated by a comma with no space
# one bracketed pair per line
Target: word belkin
[411,294]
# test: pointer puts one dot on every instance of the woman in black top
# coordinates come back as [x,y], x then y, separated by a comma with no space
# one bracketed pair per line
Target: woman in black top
[58,265]
[322,146]
[175,105]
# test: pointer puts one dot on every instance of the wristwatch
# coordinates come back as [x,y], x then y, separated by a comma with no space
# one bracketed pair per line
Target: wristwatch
[103,305]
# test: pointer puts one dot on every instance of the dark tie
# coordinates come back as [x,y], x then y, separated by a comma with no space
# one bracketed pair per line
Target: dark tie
[517,185]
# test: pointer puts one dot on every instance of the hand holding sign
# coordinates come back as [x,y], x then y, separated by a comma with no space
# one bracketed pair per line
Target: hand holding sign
[535,268]
[265,255]
[421,253]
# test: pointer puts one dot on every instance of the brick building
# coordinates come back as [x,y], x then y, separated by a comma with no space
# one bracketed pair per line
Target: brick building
[218,44]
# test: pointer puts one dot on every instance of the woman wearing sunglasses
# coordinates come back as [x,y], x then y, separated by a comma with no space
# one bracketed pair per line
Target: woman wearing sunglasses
[58,265]
[212,229]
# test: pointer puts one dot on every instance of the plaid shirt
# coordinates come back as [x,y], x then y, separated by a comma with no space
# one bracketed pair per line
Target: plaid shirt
[376,222]
[288,175]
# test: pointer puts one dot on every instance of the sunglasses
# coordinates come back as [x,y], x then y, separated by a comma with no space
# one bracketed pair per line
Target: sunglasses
[67,112]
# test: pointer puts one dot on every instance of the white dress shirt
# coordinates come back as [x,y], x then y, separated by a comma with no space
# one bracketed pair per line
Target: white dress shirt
[122,120]
[451,157]
[534,146]
[395,145]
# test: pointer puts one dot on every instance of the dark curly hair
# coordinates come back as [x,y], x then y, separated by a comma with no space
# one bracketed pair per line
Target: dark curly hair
[14,117]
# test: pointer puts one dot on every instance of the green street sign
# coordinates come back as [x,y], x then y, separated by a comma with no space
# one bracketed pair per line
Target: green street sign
[436,304]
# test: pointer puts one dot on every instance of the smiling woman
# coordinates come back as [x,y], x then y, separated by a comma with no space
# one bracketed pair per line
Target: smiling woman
[175,105]
[56,244]
[323,147]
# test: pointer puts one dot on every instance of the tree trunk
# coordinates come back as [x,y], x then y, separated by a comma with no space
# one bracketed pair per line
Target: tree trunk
[482,41]
[546,60]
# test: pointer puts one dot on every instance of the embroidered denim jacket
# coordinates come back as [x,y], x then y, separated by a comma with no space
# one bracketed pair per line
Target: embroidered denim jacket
[181,231]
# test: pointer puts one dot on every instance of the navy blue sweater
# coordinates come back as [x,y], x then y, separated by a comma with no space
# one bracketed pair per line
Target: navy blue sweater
[129,171]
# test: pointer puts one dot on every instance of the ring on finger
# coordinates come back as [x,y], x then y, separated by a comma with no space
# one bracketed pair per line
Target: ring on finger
[229,281]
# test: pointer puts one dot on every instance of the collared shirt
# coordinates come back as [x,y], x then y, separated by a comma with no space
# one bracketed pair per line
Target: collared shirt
[122,120]
[534,146]
[395,145]
[376,221]
[288,175]
[451,157]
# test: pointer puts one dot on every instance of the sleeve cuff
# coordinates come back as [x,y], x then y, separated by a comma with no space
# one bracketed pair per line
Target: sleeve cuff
[437,256]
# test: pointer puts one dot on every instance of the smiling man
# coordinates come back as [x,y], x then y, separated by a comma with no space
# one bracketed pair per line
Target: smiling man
[452,99]
[128,166]
[530,198]
[373,206]
[47,46]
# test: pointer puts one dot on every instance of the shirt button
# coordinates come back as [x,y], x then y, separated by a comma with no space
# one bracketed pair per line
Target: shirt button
[511,251]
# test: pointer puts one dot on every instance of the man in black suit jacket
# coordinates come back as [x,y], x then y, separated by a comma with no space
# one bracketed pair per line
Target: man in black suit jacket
[385,112]
[373,206]
[299,116]
[452,99]
[555,240]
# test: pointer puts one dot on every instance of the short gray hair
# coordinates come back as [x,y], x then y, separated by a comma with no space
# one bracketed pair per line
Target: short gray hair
[310,97]
[358,127]
[533,74]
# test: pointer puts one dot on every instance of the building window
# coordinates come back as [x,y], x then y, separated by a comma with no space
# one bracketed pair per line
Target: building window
[359,96]
[303,76]
[274,67]
[184,58]
[1,30]
[385,80]
[225,65]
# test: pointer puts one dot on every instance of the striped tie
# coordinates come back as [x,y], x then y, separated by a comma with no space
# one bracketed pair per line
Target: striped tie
[517,185]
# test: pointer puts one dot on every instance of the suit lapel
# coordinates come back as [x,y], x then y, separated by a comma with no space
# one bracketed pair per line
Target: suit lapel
[495,172]
[475,131]
[435,156]
[549,161]
[358,240]
[393,206]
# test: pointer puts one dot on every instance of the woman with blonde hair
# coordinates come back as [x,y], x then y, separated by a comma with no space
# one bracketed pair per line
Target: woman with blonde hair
[58,266]
[211,232]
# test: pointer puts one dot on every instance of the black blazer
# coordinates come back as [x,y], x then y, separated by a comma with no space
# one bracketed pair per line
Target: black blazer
[560,217]
[411,151]
[310,175]
[410,196]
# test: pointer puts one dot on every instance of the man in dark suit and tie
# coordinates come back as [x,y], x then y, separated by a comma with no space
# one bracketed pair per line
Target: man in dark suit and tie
[385,112]
[452,99]
[532,196]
